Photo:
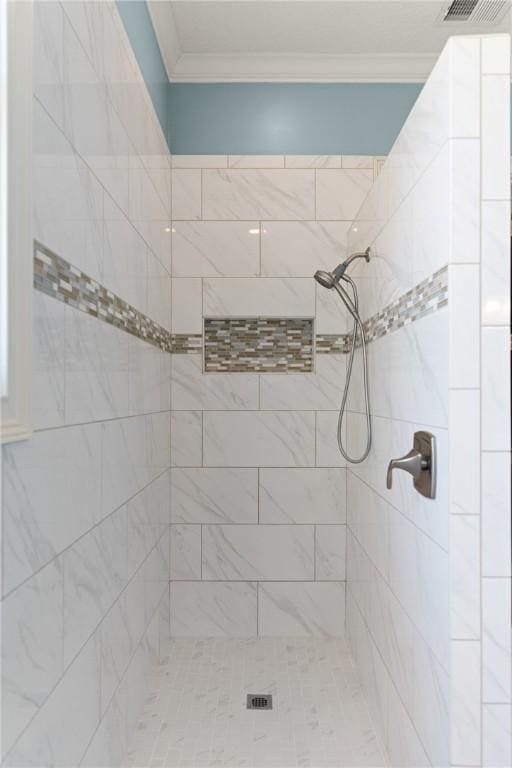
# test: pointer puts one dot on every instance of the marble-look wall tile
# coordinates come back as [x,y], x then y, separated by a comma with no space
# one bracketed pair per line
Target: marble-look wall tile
[212,495]
[288,609]
[495,137]
[465,686]
[124,461]
[48,56]
[318,391]
[464,430]
[497,735]
[31,649]
[368,517]
[94,575]
[63,726]
[146,204]
[272,297]
[312,161]
[464,205]
[464,325]
[302,495]
[147,516]
[102,188]
[403,648]
[110,742]
[419,578]
[148,377]
[258,552]
[255,161]
[495,55]
[465,69]
[331,315]
[495,389]
[496,517]
[185,552]
[258,194]
[186,194]
[496,661]
[299,248]
[216,249]
[159,292]
[199,161]
[357,161]
[213,609]
[330,549]
[339,193]
[465,577]
[193,390]
[495,275]
[48,361]
[259,438]
[42,515]
[118,643]
[186,305]
[97,369]
[392,438]
[186,438]
[326,431]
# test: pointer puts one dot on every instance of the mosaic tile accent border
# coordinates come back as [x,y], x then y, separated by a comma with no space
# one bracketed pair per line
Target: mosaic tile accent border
[263,344]
[426,297]
[232,344]
[332,343]
[58,278]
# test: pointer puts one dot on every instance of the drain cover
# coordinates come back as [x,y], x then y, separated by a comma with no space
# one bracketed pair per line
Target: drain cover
[259,701]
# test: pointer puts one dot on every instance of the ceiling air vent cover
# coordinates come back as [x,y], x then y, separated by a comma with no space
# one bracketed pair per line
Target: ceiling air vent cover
[476,11]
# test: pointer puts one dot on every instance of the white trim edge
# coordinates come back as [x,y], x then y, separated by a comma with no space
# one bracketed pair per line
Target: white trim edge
[16,412]
[207,68]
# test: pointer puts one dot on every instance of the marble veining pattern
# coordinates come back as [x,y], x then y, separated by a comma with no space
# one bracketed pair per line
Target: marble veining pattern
[195,711]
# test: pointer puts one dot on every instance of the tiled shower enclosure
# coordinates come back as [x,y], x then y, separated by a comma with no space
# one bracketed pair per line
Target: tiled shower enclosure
[181,530]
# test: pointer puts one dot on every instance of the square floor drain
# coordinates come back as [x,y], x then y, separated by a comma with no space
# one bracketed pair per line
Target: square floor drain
[259,701]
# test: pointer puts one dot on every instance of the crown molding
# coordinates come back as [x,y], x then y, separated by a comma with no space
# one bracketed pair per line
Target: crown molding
[312,68]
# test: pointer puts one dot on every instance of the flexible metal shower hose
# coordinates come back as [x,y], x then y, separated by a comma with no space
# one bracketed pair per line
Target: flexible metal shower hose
[353,307]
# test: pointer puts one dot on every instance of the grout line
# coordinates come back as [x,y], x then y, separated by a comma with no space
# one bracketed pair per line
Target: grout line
[84,534]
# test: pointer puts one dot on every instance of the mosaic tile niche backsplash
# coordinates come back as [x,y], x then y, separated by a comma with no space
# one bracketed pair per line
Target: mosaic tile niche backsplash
[258,344]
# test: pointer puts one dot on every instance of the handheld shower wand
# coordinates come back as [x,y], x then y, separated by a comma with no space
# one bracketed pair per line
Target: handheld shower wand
[332,280]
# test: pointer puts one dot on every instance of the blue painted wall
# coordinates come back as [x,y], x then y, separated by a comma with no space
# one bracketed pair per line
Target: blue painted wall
[139,28]
[266,118]
[295,118]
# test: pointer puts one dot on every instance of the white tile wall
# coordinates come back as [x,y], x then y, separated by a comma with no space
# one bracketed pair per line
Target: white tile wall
[86,499]
[438,572]
[257,475]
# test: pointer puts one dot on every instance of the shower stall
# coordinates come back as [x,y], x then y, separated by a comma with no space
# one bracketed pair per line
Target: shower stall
[205,560]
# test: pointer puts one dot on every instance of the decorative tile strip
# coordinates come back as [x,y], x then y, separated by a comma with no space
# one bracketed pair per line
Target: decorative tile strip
[332,343]
[264,344]
[186,343]
[58,278]
[426,297]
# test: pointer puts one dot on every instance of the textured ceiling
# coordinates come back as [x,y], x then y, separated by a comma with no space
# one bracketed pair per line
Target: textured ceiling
[343,27]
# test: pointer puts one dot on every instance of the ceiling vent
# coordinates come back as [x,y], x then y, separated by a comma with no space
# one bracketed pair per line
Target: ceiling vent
[476,11]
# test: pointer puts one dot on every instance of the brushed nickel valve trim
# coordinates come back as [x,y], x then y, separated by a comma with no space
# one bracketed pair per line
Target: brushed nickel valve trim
[420,462]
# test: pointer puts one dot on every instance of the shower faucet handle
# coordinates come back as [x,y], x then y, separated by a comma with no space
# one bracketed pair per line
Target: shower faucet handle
[420,462]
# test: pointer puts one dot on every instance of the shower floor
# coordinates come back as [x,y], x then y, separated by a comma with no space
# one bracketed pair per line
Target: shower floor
[195,713]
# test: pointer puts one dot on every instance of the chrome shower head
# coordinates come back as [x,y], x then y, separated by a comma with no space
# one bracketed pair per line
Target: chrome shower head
[326,279]
[329,279]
